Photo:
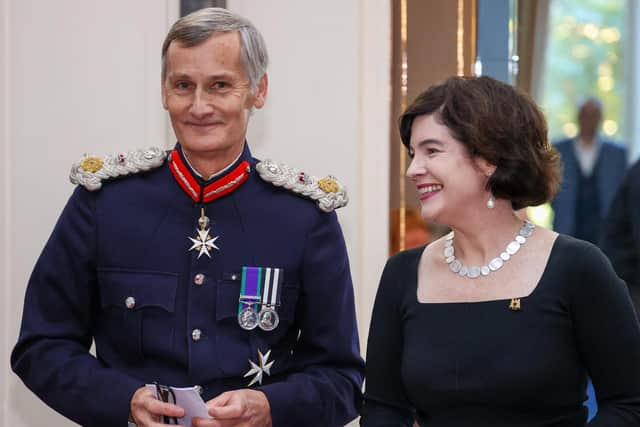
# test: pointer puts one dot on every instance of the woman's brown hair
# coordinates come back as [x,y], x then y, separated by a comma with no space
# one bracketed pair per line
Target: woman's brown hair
[501,124]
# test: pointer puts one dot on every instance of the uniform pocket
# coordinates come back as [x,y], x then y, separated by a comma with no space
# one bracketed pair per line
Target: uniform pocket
[138,308]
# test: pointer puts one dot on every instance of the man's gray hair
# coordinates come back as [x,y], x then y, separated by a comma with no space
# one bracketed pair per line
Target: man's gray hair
[197,27]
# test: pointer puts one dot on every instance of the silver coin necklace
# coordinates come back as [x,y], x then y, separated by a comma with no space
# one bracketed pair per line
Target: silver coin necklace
[473,272]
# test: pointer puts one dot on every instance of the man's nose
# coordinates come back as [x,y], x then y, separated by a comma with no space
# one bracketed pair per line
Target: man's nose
[201,104]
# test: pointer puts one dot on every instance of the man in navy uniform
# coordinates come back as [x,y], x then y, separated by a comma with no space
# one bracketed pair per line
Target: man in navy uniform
[202,266]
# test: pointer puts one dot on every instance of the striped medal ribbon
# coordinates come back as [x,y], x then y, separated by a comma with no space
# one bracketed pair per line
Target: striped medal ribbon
[260,286]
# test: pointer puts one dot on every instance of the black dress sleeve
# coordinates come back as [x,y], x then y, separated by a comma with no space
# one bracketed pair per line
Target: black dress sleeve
[608,338]
[385,402]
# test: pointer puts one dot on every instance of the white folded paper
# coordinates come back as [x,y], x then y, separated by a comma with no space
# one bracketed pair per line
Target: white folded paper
[189,399]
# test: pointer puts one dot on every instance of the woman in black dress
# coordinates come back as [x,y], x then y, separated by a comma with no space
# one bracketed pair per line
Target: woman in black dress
[499,323]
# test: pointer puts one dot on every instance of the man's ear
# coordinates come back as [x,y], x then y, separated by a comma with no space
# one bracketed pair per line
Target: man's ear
[260,96]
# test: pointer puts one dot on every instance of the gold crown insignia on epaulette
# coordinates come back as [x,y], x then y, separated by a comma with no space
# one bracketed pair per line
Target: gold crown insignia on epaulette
[327,191]
[90,171]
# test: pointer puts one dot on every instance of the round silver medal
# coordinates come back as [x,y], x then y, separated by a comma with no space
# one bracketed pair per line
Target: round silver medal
[268,319]
[248,319]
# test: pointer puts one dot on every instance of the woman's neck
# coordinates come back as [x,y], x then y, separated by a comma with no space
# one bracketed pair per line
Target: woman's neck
[484,236]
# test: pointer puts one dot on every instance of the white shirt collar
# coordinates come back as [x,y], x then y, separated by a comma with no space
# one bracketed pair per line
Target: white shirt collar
[219,173]
[587,155]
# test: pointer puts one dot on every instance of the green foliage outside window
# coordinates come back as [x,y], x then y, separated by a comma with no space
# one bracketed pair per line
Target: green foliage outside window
[585,57]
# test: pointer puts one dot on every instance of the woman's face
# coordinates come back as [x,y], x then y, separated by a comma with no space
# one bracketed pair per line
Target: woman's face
[451,184]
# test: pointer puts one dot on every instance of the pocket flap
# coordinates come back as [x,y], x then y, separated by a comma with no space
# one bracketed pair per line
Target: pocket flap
[147,289]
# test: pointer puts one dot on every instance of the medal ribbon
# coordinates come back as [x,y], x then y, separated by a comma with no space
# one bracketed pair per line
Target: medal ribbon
[272,284]
[250,288]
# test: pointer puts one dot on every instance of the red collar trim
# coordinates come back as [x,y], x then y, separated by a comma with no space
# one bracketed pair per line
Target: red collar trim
[227,183]
[218,188]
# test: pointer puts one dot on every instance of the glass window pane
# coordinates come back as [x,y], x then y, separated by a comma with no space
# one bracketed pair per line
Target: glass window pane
[585,57]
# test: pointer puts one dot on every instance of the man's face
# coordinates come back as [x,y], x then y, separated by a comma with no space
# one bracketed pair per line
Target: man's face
[589,120]
[209,97]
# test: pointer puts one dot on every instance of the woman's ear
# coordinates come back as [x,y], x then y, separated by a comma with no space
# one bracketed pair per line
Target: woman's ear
[485,167]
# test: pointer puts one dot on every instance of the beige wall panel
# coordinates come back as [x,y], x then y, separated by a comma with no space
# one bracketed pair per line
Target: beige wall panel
[79,76]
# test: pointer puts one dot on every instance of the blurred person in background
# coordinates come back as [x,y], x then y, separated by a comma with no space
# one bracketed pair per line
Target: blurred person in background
[592,169]
[620,238]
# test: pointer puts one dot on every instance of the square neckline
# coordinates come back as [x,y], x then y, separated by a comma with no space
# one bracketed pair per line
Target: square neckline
[417,301]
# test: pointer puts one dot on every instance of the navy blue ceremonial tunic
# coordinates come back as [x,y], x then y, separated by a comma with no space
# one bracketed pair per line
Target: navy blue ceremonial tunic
[131,240]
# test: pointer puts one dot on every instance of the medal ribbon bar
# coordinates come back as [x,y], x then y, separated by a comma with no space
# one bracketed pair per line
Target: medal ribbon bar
[271,288]
[250,289]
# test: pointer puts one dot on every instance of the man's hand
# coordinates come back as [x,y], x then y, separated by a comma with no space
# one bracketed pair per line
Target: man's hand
[238,408]
[146,409]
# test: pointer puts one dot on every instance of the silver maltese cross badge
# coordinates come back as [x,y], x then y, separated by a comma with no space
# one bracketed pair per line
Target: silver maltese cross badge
[262,367]
[203,243]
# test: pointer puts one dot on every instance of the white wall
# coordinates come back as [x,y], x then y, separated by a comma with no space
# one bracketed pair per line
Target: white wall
[7,318]
[78,76]
[83,76]
[328,112]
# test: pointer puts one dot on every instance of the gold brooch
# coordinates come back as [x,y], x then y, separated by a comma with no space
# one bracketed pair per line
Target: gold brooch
[514,305]
[328,185]
[91,164]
